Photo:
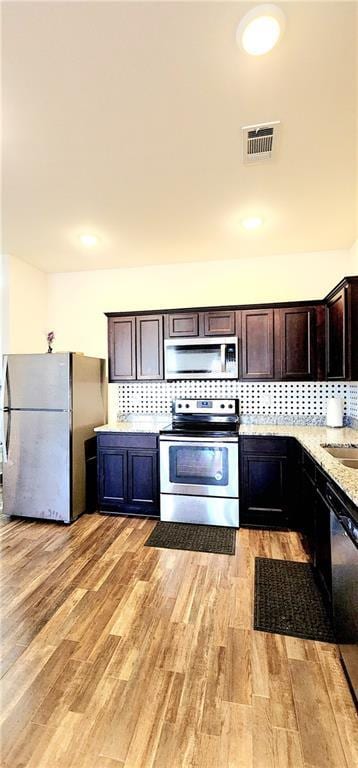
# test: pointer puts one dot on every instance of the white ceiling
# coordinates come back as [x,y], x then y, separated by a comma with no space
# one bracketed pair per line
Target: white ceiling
[123,119]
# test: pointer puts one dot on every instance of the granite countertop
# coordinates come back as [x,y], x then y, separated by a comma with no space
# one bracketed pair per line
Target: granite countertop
[312,438]
[148,423]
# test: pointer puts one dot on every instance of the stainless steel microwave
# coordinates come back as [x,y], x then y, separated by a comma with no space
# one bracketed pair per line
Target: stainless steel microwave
[201,358]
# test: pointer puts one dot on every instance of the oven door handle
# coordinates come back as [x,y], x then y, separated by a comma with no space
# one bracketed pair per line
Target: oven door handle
[198,440]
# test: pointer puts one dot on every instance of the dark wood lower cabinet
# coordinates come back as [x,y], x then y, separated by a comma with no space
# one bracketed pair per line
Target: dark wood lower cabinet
[267,482]
[322,543]
[128,474]
[282,486]
[306,508]
[143,477]
[112,479]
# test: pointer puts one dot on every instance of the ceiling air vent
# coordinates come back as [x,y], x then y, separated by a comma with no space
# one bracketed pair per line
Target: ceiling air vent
[260,141]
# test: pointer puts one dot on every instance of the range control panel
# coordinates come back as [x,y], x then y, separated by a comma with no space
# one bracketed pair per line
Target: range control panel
[227,407]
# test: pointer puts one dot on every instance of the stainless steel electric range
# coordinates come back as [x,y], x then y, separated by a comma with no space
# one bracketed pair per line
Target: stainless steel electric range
[199,463]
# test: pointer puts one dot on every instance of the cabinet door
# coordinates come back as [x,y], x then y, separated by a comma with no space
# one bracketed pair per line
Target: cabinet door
[121,348]
[149,340]
[307,509]
[218,323]
[183,324]
[257,346]
[297,343]
[266,482]
[336,336]
[264,500]
[112,476]
[322,544]
[143,478]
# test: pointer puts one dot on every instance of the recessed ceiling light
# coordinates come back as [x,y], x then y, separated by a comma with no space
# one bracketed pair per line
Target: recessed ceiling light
[252,222]
[89,241]
[260,29]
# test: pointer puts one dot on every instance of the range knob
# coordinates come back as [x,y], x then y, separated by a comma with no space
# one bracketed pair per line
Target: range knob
[186,405]
[180,405]
[222,405]
[231,405]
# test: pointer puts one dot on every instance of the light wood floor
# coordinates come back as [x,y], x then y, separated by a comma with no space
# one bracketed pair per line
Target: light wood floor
[123,656]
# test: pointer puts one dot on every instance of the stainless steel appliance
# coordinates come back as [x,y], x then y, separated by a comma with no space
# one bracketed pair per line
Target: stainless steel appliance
[50,405]
[344,546]
[199,463]
[202,358]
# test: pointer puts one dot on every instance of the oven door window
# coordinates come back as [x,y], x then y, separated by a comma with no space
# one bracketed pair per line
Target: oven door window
[198,465]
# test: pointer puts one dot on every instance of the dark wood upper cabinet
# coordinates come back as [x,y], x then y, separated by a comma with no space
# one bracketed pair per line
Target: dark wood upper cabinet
[296,343]
[342,331]
[336,336]
[182,324]
[218,323]
[121,348]
[257,344]
[135,348]
[149,344]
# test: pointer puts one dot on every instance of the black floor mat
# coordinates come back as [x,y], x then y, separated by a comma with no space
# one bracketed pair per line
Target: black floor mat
[288,601]
[198,538]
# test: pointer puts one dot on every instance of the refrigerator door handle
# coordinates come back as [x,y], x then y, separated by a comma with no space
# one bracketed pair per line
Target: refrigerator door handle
[3,436]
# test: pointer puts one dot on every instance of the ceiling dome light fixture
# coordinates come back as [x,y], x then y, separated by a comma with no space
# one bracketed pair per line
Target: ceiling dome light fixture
[252,222]
[260,29]
[89,241]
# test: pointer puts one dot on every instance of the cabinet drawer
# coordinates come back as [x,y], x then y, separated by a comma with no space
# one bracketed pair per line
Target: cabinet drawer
[309,466]
[270,445]
[127,440]
[265,519]
[321,481]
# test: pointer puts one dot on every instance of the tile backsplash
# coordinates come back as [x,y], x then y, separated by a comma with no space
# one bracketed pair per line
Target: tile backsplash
[352,404]
[304,402]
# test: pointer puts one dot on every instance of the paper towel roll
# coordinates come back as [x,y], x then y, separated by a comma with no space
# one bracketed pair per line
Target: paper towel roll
[335,412]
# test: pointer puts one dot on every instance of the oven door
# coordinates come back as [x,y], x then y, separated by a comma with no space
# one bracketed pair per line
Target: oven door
[202,467]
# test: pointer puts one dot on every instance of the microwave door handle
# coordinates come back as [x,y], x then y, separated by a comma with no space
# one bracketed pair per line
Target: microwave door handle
[223,357]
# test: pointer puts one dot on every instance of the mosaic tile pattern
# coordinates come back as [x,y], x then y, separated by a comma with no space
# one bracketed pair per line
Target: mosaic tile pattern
[307,402]
[352,407]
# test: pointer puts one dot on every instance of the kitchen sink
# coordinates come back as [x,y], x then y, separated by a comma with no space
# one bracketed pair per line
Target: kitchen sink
[348,456]
[353,463]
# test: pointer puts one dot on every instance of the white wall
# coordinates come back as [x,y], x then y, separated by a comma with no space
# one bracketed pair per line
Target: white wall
[78,300]
[24,307]
[354,259]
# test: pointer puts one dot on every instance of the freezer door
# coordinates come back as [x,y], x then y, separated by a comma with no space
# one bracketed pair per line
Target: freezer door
[36,477]
[38,382]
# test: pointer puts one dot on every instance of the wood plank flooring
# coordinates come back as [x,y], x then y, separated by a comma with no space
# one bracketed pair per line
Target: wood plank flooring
[117,655]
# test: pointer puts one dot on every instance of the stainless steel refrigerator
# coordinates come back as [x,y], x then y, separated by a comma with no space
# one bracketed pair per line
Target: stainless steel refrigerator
[51,403]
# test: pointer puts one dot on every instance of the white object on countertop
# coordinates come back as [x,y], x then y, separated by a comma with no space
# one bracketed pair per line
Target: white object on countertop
[335,412]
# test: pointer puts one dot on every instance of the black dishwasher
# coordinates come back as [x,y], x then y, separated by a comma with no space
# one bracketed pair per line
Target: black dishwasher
[344,548]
